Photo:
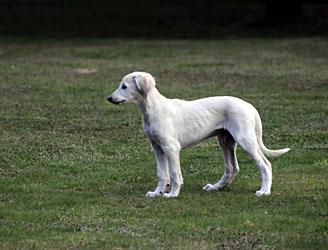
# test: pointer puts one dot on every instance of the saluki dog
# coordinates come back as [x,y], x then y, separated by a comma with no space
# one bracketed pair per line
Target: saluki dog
[173,124]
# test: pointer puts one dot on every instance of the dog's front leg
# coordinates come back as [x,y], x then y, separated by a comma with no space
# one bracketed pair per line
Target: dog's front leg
[162,173]
[173,158]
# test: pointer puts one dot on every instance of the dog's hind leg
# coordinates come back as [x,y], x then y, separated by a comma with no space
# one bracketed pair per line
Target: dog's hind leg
[266,172]
[250,145]
[228,146]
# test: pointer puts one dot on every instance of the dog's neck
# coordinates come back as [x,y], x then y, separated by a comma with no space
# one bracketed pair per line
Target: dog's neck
[150,102]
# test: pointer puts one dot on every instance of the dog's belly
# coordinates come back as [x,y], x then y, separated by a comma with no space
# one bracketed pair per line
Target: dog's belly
[189,142]
[195,137]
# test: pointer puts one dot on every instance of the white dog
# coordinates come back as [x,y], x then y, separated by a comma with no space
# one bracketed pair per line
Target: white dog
[173,124]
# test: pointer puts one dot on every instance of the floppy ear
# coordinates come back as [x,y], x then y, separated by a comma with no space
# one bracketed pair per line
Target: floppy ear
[144,83]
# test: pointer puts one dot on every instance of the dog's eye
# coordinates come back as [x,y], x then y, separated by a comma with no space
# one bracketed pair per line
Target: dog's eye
[124,87]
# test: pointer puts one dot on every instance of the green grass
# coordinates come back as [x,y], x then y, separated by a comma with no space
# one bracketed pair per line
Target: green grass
[74,169]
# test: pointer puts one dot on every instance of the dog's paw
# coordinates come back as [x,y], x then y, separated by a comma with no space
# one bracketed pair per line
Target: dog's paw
[260,193]
[169,195]
[210,187]
[153,194]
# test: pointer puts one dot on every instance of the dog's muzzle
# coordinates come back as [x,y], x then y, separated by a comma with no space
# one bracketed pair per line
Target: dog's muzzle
[110,99]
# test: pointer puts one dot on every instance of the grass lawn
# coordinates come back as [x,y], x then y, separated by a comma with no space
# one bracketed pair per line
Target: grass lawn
[74,169]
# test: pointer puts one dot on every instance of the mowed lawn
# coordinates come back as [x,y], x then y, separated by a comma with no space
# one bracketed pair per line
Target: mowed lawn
[74,169]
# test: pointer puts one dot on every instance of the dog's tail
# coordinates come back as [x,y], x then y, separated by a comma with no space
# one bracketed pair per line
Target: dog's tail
[272,153]
[264,149]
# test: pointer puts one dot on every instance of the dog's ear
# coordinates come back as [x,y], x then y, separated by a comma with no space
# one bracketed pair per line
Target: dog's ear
[144,83]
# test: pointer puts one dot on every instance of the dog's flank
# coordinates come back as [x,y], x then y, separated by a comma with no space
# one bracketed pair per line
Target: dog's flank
[173,124]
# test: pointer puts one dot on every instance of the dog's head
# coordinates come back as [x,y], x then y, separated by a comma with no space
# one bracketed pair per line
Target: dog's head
[133,88]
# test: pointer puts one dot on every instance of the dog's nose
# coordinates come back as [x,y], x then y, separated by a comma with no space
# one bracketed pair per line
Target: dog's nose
[110,99]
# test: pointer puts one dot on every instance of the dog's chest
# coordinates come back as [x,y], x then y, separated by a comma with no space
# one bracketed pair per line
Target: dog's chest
[149,126]
[152,127]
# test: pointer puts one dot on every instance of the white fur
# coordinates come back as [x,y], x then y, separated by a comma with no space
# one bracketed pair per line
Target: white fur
[173,124]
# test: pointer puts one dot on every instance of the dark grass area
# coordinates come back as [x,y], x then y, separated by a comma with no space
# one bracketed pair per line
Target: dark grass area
[152,19]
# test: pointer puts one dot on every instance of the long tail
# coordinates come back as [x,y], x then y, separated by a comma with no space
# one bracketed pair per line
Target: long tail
[264,149]
[272,153]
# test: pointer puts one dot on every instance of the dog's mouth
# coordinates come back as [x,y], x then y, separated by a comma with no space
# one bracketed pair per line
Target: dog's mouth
[110,99]
[119,102]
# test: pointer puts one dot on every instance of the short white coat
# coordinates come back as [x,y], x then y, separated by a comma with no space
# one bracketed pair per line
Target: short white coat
[174,124]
